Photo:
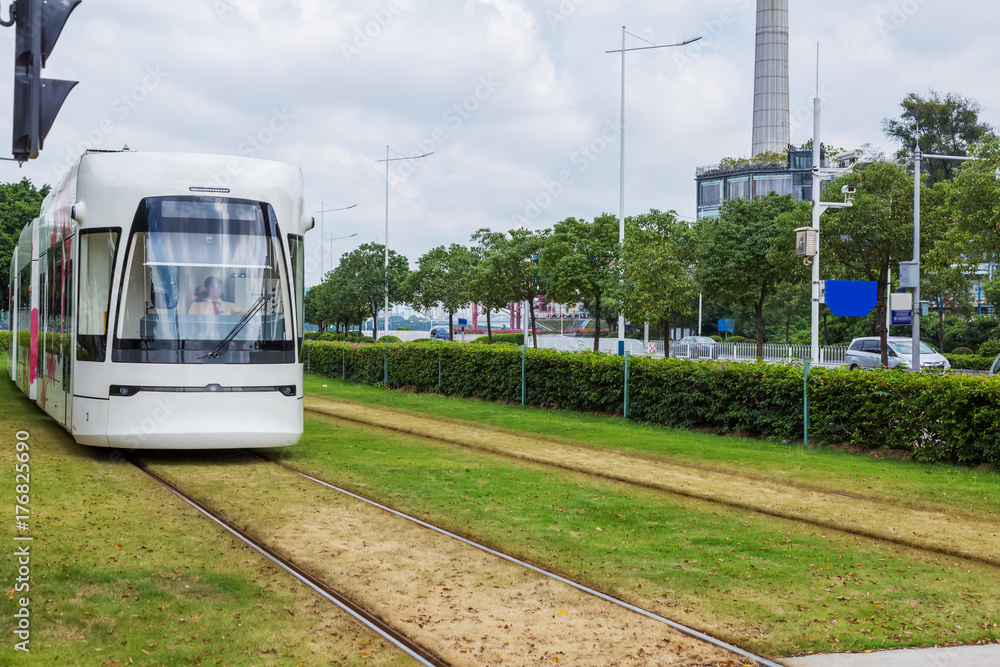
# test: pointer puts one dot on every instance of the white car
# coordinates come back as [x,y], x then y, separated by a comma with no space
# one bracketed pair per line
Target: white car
[867,353]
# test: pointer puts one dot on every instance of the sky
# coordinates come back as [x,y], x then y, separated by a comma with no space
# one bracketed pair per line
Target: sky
[517,99]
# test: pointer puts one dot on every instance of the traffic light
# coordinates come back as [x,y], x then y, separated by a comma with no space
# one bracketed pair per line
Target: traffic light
[36,100]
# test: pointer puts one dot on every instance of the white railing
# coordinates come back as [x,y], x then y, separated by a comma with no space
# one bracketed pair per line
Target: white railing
[606,345]
[407,336]
[829,355]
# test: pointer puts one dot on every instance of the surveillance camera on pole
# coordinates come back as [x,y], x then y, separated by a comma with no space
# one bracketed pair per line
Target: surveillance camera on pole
[36,100]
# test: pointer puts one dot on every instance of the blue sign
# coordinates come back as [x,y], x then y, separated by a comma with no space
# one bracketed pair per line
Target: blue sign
[727,325]
[462,322]
[902,317]
[851,298]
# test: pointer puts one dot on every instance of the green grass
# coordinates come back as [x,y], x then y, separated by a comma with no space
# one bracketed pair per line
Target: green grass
[767,584]
[123,571]
[950,488]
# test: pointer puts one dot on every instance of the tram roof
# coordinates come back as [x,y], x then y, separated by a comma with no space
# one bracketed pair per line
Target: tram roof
[111,185]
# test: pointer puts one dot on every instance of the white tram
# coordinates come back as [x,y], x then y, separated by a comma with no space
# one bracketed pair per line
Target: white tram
[156,302]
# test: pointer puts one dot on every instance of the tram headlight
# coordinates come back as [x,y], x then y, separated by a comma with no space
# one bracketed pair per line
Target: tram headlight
[288,390]
[123,390]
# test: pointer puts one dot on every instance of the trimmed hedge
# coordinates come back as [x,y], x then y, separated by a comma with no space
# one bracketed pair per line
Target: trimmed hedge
[962,351]
[390,339]
[4,340]
[969,362]
[946,418]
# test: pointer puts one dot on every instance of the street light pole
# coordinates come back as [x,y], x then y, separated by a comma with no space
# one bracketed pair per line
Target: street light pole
[818,175]
[332,238]
[322,233]
[621,186]
[387,160]
[915,338]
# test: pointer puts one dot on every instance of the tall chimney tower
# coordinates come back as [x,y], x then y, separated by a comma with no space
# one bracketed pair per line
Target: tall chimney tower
[770,90]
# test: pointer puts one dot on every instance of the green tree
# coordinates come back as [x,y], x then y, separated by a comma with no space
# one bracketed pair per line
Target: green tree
[315,302]
[19,204]
[491,278]
[949,292]
[342,302]
[991,293]
[522,251]
[365,278]
[941,126]
[972,205]
[789,302]
[442,276]
[867,239]
[748,251]
[580,262]
[657,277]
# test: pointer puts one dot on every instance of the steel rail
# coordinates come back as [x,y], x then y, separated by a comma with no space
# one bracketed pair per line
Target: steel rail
[499,554]
[372,622]
[829,525]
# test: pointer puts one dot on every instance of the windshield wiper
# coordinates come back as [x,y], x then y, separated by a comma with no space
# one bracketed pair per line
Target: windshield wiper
[224,343]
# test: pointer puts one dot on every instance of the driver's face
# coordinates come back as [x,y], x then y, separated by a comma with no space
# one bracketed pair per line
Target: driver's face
[214,291]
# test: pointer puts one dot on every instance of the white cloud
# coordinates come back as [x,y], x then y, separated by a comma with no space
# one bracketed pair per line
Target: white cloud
[360,74]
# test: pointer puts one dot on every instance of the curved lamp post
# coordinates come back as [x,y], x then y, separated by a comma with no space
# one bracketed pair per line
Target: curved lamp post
[621,214]
[387,160]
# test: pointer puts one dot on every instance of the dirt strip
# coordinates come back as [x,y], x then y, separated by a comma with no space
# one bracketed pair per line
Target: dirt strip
[954,535]
[468,607]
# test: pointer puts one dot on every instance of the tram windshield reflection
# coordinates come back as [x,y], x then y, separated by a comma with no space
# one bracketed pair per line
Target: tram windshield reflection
[195,267]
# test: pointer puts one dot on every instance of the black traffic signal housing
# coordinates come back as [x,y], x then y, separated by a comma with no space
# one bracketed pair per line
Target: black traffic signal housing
[36,100]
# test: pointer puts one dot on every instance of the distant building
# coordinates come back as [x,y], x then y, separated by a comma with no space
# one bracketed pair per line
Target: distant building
[746,179]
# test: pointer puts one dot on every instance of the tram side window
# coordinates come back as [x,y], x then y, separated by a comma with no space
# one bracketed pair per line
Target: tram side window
[297,246]
[97,262]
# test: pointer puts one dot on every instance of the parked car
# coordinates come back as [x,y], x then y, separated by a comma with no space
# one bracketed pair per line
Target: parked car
[697,347]
[867,353]
[440,333]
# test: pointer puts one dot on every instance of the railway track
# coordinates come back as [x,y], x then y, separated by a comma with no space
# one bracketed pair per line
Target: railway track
[972,538]
[371,620]
[377,625]
[499,554]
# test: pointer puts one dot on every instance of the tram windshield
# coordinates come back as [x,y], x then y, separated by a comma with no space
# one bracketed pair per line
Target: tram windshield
[204,282]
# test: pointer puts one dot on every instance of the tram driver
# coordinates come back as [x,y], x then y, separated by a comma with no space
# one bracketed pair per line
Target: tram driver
[212,303]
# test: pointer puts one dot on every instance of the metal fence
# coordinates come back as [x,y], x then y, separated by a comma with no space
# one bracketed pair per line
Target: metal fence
[586,344]
[829,355]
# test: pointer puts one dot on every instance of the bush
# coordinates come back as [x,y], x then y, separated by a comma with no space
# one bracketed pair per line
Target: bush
[422,341]
[4,341]
[989,348]
[740,339]
[390,339]
[954,418]
[717,339]
[969,362]
[970,333]
[962,351]
[515,338]
[329,337]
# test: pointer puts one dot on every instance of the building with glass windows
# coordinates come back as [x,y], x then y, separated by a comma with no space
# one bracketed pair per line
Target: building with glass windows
[746,179]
